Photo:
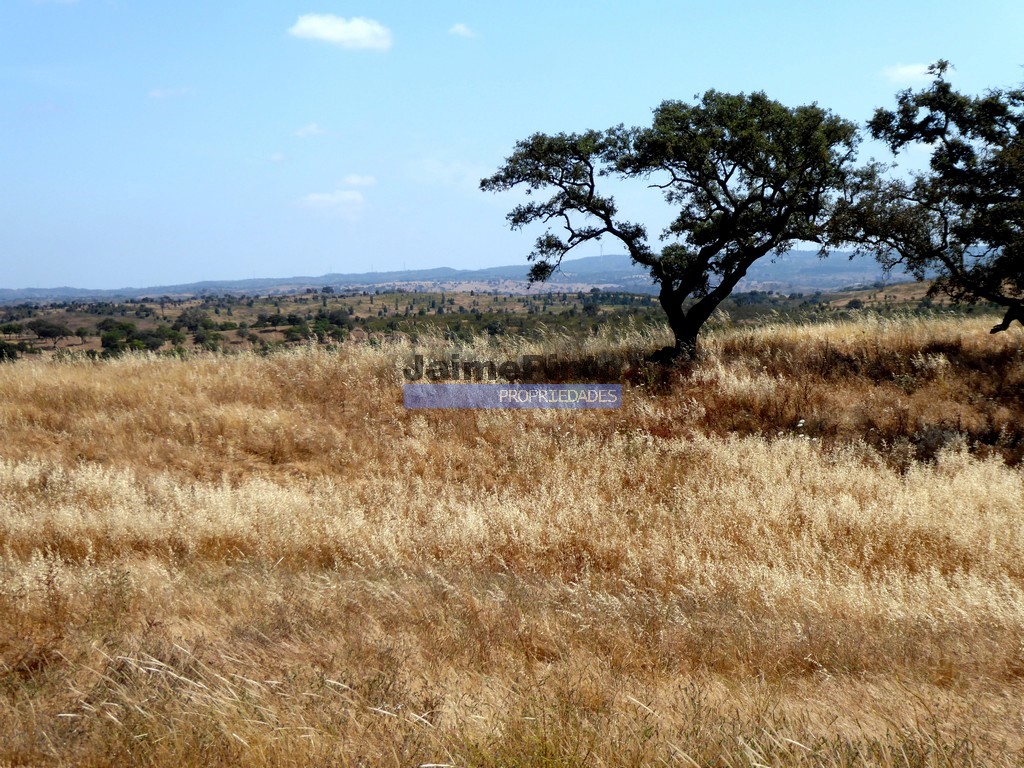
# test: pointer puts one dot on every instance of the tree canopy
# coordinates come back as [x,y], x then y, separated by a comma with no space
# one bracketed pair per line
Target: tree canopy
[48,329]
[962,220]
[746,175]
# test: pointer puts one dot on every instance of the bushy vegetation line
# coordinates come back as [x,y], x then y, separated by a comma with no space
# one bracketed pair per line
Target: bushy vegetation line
[239,323]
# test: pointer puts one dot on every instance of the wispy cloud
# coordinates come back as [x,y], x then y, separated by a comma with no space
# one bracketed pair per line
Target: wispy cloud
[358,180]
[347,202]
[310,131]
[461,30]
[169,93]
[357,33]
[276,157]
[907,74]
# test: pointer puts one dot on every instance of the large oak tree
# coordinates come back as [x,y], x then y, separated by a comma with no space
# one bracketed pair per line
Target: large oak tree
[745,175]
[961,221]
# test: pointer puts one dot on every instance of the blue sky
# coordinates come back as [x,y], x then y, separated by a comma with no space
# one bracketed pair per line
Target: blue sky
[148,143]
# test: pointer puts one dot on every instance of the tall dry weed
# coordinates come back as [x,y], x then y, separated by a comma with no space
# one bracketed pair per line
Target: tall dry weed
[804,548]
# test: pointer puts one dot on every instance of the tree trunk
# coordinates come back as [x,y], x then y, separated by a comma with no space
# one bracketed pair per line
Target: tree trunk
[684,328]
[686,324]
[686,340]
[1013,312]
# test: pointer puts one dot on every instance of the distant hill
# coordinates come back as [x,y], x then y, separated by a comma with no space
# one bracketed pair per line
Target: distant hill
[796,271]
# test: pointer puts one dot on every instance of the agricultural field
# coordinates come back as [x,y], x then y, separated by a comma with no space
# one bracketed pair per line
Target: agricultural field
[805,548]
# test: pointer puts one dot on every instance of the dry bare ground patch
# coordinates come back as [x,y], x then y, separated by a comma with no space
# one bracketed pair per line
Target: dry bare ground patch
[805,549]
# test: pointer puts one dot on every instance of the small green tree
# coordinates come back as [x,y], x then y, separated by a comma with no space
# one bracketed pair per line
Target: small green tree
[48,329]
[175,337]
[192,319]
[746,175]
[113,341]
[151,340]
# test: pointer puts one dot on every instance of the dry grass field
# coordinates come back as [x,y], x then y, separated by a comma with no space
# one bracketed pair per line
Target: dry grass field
[805,549]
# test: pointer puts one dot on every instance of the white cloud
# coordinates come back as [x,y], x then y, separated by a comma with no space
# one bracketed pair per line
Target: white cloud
[309,131]
[357,33]
[276,157]
[348,202]
[169,93]
[461,30]
[358,180]
[907,74]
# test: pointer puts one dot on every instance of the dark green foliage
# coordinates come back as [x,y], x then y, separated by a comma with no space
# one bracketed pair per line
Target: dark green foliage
[113,341]
[297,332]
[747,176]
[962,220]
[18,312]
[109,324]
[192,319]
[207,338]
[48,329]
[117,337]
[150,340]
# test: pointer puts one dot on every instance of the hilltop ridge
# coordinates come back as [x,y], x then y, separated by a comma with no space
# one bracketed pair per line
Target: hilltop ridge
[794,271]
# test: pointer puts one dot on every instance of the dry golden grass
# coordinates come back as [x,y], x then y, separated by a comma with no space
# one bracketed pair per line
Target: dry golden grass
[805,549]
